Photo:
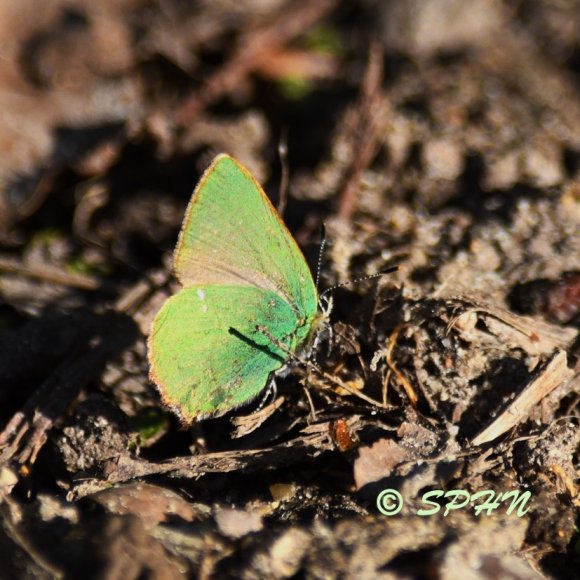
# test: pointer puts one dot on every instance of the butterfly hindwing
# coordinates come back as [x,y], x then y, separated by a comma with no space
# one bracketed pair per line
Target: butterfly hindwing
[206,352]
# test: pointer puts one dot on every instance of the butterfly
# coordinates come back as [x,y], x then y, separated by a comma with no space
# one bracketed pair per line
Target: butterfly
[247,304]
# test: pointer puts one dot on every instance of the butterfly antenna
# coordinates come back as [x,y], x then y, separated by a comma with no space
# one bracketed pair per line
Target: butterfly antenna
[285,176]
[361,279]
[320,254]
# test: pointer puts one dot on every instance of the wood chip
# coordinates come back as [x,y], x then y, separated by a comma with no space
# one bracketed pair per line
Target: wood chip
[549,376]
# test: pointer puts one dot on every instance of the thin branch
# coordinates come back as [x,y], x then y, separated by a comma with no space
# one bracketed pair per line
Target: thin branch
[367,130]
[293,19]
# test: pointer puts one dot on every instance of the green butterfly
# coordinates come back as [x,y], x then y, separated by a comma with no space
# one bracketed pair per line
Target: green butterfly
[248,299]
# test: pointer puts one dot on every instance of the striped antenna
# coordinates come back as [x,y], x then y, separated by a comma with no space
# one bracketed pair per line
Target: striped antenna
[320,253]
[361,279]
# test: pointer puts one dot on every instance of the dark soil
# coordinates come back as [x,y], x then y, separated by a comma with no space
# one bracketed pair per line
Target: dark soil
[439,136]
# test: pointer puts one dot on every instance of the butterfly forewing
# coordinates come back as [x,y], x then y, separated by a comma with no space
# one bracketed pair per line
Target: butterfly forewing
[232,235]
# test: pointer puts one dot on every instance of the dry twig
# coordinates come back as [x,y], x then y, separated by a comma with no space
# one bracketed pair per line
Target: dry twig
[292,21]
[550,375]
[367,128]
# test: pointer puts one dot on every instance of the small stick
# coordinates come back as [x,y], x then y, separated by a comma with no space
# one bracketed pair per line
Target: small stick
[368,130]
[310,402]
[52,275]
[309,443]
[284,179]
[391,364]
[386,384]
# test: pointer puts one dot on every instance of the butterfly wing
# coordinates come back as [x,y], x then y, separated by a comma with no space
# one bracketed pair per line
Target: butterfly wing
[205,352]
[232,235]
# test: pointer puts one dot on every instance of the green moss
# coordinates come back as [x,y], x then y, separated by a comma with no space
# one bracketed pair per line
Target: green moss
[294,87]
[325,39]
[151,424]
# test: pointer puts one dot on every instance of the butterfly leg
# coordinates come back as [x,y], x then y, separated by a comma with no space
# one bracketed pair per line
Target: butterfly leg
[310,402]
[330,339]
[324,334]
[270,392]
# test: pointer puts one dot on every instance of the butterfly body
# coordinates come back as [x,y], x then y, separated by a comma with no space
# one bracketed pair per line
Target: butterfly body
[241,272]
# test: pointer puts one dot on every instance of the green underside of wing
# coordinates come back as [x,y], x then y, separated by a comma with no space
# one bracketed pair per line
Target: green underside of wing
[205,353]
[232,235]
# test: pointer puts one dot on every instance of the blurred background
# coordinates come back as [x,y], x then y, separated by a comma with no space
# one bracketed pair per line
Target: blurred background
[106,110]
[442,135]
